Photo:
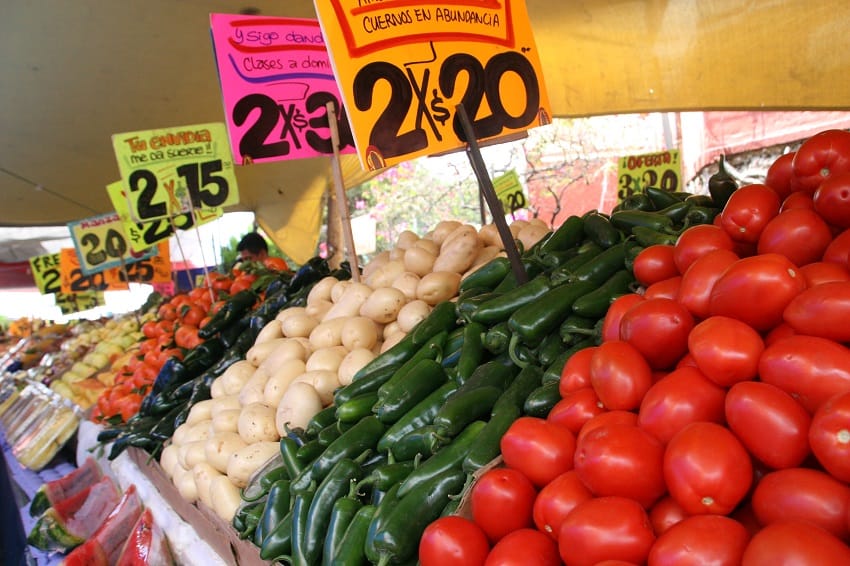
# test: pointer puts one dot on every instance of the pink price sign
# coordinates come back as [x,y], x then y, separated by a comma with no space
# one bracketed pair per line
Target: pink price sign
[276,81]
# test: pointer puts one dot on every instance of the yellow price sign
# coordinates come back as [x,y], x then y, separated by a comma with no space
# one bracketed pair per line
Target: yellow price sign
[403,69]
[510,192]
[70,303]
[45,273]
[662,170]
[101,243]
[143,235]
[152,270]
[169,173]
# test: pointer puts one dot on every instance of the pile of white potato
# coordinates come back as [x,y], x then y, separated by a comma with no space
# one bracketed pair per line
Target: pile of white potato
[302,356]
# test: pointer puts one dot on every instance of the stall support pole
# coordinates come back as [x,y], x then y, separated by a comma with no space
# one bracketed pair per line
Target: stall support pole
[341,198]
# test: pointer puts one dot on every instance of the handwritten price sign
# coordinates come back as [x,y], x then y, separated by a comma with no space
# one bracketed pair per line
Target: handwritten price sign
[276,80]
[169,173]
[510,192]
[404,68]
[72,279]
[660,170]
[143,235]
[101,243]
[45,273]
[152,270]
[70,303]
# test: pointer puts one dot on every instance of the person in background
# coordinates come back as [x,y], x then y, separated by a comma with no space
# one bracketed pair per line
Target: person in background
[252,247]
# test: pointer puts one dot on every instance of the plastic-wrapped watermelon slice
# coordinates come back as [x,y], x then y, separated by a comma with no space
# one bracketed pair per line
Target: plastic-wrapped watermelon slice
[71,484]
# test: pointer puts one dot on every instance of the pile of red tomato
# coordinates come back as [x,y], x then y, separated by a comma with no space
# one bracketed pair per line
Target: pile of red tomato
[172,333]
[712,424]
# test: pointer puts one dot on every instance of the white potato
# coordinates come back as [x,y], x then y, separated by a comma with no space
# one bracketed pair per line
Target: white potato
[391,329]
[420,261]
[322,290]
[300,324]
[184,481]
[392,341]
[235,376]
[443,229]
[351,364]
[257,423]
[226,421]
[406,283]
[397,254]
[489,235]
[412,314]
[458,250]
[428,245]
[191,453]
[300,402]
[325,382]
[516,227]
[252,391]
[225,403]
[350,301]
[327,334]
[358,332]
[319,309]
[203,475]
[327,358]
[257,353]
[247,460]
[383,304]
[168,459]
[532,233]
[190,432]
[200,411]
[219,447]
[279,381]
[406,239]
[438,286]
[270,331]
[289,311]
[287,349]
[386,274]
[375,263]
[225,498]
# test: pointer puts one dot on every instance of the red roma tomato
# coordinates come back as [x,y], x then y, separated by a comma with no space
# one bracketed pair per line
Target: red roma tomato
[707,469]
[699,540]
[823,272]
[697,241]
[683,397]
[809,368]
[502,500]
[748,211]
[699,279]
[666,289]
[726,350]
[576,408]
[799,234]
[797,200]
[576,372]
[556,500]
[821,157]
[622,460]
[664,514]
[756,290]
[769,423]
[606,528]
[822,310]
[655,263]
[778,332]
[838,251]
[794,542]
[780,175]
[803,494]
[539,449]
[829,436]
[524,547]
[658,329]
[618,307]
[620,375]
[453,541]
[606,418]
